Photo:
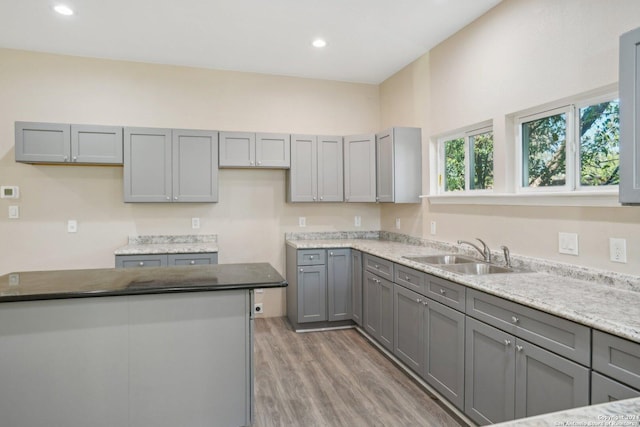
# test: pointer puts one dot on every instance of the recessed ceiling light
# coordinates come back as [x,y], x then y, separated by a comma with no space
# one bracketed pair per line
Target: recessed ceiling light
[319,43]
[63,10]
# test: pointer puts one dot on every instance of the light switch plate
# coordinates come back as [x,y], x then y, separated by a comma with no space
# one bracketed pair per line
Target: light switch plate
[357,221]
[568,243]
[397,223]
[195,223]
[302,221]
[14,212]
[618,250]
[433,228]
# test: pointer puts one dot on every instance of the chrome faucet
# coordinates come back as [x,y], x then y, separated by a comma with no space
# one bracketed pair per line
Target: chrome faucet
[507,256]
[485,251]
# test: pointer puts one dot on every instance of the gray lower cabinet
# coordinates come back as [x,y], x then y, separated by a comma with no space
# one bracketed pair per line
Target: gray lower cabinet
[604,389]
[399,165]
[164,260]
[356,286]
[68,144]
[378,309]
[630,117]
[316,173]
[408,327]
[508,378]
[319,286]
[617,358]
[249,150]
[165,165]
[360,168]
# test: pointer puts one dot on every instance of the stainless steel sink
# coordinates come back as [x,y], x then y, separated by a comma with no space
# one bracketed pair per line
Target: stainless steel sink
[478,268]
[445,259]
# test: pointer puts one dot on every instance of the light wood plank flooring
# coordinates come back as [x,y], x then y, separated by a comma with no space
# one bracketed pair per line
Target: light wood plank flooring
[333,378]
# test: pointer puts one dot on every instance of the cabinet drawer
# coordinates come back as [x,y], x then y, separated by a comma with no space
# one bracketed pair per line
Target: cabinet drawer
[193,259]
[559,335]
[410,278]
[311,257]
[446,292]
[132,261]
[604,390]
[617,358]
[379,266]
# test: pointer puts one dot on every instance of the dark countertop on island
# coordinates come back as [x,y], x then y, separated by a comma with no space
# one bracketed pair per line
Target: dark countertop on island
[61,284]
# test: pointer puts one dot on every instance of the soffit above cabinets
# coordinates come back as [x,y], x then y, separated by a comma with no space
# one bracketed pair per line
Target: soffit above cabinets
[367,40]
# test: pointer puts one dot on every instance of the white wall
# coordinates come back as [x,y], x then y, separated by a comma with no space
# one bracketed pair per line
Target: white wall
[251,217]
[521,54]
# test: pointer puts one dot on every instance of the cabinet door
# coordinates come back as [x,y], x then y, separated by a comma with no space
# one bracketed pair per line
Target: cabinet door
[137,261]
[330,169]
[96,144]
[192,259]
[303,186]
[360,168]
[605,390]
[195,166]
[546,382]
[273,150]
[384,167]
[339,284]
[444,351]
[386,314]
[237,149]
[489,373]
[408,309]
[371,304]
[630,117]
[42,142]
[312,294]
[356,286]
[147,165]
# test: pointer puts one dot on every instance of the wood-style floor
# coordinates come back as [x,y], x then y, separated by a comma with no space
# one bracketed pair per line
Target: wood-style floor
[333,378]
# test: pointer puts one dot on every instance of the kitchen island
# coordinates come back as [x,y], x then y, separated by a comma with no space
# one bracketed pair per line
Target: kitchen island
[129,347]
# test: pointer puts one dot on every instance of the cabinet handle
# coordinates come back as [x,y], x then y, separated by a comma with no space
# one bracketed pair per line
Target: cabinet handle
[141,264]
[311,257]
[330,253]
[192,262]
[168,198]
[442,291]
[321,198]
[75,159]
[419,300]
[251,163]
[302,270]
[377,199]
[259,163]
[314,199]
[424,303]
[66,159]
[507,342]
[175,197]
[407,278]
[519,348]
[377,266]
[514,319]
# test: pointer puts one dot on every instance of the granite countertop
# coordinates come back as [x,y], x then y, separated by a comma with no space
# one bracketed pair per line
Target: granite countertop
[44,285]
[619,413]
[186,244]
[610,305]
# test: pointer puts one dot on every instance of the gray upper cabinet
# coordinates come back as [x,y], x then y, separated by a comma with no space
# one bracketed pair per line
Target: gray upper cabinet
[360,168]
[630,117]
[316,173]
[161,165]
[399,165]
[69,144]
[248,150]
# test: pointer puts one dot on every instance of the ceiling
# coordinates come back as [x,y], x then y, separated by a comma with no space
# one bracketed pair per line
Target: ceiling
[367,40]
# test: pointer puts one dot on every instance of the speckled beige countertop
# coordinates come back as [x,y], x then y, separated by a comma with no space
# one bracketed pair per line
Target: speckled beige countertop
[186,244]
[610,303]
[623,413]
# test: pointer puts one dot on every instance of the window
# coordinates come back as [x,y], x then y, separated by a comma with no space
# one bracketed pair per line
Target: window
[466,161]
[571,148]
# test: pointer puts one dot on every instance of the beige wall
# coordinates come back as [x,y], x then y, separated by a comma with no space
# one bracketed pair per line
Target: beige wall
[251,217]
[521,54]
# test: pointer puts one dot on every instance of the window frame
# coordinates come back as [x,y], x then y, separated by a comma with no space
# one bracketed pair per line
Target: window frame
[466,134]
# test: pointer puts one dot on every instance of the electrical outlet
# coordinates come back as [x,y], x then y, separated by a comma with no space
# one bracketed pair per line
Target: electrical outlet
[397,223]
[302,221]
[72,226]
[568,243]
[433,228]
[14,212]
[357,221]
[14,279]
[618,250]
[195,223]
[258,308]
